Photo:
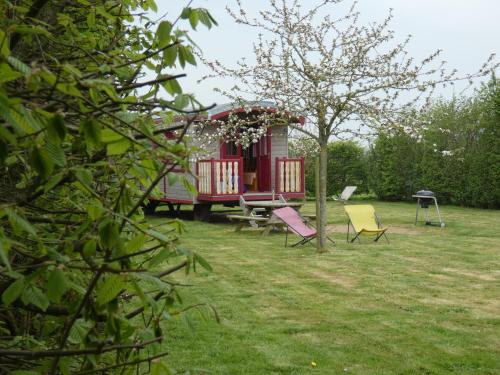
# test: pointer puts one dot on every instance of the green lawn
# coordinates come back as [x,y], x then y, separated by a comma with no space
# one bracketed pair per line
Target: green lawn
[427,303]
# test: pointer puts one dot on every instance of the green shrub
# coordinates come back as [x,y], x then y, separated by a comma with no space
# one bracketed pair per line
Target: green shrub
[457,155]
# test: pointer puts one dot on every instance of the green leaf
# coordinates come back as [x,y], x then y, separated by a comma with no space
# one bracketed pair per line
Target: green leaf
[198,258]
[92,132]
[19,120]
[135,244]
[83,176]
[160,368]
[19,65]
[33,295]
[157,235]
[18,223]
[53,181]
[13,292]
[56,128]
[79,331]
[91,19]
[4,44]
[49,77]
[206,18]
[29,29]
[4,254]
[25,372]
[73,70]
[108,233]
[118,148]
[172,87]
[170,55]
[162,256]
[56,285]
[193,19]
[172,179]
[110,91]
[64,366]
[41,162]
[152,5]
[56,153]
[69,89]
[110,288]
[163,33]
[181,101]
[188,55]
[109,136]
[152,281]
[89,249]
[7,135]
[7,74]
[185,13]
[94,209]
[181,56]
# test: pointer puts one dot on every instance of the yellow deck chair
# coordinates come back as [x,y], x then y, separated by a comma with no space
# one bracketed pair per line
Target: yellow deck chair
[364,220]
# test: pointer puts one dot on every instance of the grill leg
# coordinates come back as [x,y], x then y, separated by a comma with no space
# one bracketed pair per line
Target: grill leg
[416,216]
[441,222]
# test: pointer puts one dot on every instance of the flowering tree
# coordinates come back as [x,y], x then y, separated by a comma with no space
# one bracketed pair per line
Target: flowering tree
[243,128]
[344,77]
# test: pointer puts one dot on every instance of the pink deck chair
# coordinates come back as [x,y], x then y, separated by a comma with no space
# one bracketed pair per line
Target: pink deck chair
[297,224]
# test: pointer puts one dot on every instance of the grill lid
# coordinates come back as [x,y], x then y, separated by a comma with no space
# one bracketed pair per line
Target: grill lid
[426,193]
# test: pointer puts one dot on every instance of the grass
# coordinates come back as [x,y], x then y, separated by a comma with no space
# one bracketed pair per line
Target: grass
[427,303]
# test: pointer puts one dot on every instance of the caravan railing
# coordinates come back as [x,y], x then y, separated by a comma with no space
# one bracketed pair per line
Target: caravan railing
[289,175]
[219,176]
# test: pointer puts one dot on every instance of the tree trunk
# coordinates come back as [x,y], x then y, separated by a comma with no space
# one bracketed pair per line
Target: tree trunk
[321,208]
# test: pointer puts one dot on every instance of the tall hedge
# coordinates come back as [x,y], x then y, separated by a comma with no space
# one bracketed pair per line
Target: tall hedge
[457,155]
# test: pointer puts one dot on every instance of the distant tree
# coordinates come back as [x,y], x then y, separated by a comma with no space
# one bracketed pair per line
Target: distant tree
[346,166]
[80,153]
[344,77]
[394,160]
[456,154]
[483,179]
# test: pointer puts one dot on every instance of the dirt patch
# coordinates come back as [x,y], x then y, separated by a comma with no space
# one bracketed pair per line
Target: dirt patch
[340,228]
[342,280]
[438,301]
[440,276]
[309,337]
[475,275]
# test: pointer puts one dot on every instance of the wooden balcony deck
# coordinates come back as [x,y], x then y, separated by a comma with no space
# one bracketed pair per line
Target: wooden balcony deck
[222,180]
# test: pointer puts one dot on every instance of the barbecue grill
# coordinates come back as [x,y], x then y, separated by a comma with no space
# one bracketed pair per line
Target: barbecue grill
[426,198]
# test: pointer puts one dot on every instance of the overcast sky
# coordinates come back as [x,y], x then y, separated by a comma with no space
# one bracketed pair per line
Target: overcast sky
[468,31]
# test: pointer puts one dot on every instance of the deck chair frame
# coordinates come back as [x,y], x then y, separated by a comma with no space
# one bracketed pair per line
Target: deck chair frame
[358,234]
[305,239]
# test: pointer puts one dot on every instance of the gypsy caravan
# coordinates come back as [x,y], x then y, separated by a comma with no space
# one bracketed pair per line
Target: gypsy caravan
[227,171]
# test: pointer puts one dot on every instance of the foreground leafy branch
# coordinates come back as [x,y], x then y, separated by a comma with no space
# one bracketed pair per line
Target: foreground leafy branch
[81,152]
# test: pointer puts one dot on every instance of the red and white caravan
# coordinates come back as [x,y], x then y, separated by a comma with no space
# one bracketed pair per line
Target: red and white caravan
[228,171]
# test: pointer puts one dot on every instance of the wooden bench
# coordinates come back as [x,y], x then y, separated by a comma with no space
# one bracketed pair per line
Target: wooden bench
[256,222]
[309,218]
[242,219]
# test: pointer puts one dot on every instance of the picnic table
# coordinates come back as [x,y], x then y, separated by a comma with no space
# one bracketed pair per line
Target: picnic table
[259,213]
[267,207]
